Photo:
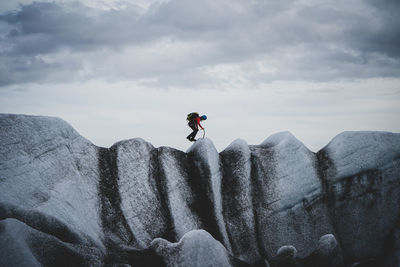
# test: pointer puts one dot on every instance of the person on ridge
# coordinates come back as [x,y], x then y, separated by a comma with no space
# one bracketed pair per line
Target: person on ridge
[194,123]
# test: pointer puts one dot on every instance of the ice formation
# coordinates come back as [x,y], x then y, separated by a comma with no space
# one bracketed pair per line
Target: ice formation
[66,201]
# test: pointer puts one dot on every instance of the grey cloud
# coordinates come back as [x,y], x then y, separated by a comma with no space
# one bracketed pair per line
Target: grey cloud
[379,33]
[200,17]
[50,26]
[324,42]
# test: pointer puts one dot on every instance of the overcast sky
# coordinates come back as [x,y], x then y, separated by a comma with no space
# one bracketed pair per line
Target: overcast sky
[122,69]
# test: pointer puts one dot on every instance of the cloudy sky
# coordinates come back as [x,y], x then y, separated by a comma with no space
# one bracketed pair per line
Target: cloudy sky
[122,69]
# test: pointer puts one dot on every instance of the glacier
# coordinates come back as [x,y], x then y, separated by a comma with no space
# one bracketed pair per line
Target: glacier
[67,202]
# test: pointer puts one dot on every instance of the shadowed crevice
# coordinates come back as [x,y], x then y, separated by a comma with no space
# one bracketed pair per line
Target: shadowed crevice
[237,206]
[203,201]
[162,194]
[229,189]
[259,181]
[118,236]
[121,255]
[114,222]
[326,170]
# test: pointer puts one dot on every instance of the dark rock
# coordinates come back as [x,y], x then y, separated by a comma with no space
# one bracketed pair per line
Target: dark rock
[286,256]
[327,253]
[22,245]
[196,248]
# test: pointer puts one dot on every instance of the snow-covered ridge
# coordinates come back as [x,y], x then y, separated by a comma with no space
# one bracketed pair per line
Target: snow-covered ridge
[140,205]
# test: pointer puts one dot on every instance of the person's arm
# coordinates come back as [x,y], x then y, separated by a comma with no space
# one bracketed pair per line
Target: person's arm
[198,123]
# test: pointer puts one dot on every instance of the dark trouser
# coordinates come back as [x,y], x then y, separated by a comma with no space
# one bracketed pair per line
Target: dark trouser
[195,129]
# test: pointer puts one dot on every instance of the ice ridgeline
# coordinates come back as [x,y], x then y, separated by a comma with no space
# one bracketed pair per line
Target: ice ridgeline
[67,202]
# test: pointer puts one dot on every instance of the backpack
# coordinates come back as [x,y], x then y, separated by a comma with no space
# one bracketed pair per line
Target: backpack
[191,116]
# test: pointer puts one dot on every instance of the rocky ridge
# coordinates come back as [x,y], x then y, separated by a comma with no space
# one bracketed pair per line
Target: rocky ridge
[66,201]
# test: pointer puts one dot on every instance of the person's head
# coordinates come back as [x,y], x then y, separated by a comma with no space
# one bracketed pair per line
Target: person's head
[204,117]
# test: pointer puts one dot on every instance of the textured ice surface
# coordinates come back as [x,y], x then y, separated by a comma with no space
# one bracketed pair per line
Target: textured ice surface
[179,196]
[237,200]
[46,166]
[136,162]
[196,248]
[207,166]
[22,245]
[363,182]
[105,206]
[356,152]
[15,250]
[293,211]
[296,175]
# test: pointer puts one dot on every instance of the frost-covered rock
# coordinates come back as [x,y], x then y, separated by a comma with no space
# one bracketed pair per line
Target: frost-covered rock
[362,174]
[205,167]
[291,208]
[179,192]
[22,245]
[326,245]
[139,190]
[357,152]
[237,197]
[286,256]
[134,204]
[328,253]
[49,175]
[196,248]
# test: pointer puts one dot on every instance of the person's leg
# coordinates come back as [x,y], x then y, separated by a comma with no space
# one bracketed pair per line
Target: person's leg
[193,134]
[190,136]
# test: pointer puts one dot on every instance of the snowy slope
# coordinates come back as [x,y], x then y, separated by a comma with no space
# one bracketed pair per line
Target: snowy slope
[144,206]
